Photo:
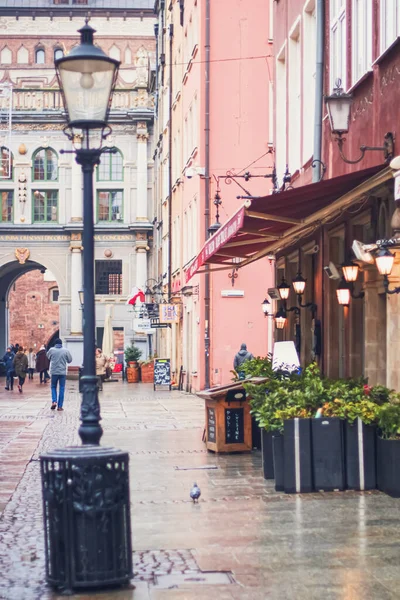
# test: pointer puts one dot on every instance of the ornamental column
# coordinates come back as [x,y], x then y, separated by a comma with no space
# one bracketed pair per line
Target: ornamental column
[392,330]
[141,260]
[76,283]
[374,323]
[141,175]
[76,192]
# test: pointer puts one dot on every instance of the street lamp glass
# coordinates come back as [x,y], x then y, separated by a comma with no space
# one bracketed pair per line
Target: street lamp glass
[280,319]
[80,293]
[299,284]
[87,79]
[384,261]
[350,271]
[338,105]
[284,289]
[343,293]
[265,306]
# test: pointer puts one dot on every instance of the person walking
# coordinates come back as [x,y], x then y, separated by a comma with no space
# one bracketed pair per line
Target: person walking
[101,367]
[8,360]
[59,357]
[31,363]
[240,358]
[42,365]
[20,367]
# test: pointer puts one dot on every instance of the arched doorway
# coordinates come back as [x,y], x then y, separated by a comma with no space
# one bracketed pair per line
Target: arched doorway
[29,309]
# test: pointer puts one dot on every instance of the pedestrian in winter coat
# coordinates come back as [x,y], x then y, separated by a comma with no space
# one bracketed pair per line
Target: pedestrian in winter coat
[8,360]
[240,358]
[101,364]
[31,363]
[20,367]
[58,357]
[42,365]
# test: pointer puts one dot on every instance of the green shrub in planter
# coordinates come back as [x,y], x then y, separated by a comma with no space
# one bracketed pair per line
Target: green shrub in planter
[132,353]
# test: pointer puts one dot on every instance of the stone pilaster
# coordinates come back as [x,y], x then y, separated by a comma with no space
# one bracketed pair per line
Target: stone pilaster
[76,283]
[76,192]
[141,260]
[141,196]
[392,330]
[374,327]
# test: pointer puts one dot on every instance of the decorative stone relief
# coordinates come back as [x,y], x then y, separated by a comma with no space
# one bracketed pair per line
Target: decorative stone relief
[142,68]
[22,255]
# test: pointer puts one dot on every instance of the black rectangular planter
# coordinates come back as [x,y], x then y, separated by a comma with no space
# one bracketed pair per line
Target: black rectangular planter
[360,444]
[277,450]
[297,456]
[255,434]
[267,458]
[388,470]
[328,454]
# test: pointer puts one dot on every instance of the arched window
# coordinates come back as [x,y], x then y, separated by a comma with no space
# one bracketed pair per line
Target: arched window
[45,165]
[6,163]
[58,53]
[40,56]
[110,167]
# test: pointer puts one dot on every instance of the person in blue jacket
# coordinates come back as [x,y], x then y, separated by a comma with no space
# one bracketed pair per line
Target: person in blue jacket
[8,360]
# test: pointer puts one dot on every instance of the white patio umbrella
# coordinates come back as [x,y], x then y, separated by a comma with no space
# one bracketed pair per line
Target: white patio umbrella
[108,335]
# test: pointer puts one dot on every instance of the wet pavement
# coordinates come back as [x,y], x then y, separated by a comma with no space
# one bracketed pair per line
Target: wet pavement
[242,541]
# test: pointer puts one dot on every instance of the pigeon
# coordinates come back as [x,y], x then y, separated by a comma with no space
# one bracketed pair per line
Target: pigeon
[195,492]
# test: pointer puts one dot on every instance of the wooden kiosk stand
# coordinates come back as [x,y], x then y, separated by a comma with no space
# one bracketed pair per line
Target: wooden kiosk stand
[228,419]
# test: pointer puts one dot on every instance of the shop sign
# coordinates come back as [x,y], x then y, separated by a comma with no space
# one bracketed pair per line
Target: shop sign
[142,326]
[169,313]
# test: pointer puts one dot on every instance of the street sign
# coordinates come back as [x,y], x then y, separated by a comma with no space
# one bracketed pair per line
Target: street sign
[160,325]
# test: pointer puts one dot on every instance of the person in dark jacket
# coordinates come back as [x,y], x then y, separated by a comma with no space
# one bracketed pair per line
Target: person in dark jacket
[42,365]
[20,367]
[240,358]
[8,360]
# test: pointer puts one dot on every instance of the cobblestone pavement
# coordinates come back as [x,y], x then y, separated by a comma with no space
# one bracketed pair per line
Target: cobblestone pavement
[272,546]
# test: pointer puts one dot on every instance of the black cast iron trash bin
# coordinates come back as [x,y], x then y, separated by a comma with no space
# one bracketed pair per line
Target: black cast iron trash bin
[86,513]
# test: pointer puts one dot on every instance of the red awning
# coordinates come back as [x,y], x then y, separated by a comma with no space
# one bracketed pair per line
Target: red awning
[262,224]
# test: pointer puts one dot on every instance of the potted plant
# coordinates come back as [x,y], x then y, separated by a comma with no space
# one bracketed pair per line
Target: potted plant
[147,370]
[132,355]
[388,447]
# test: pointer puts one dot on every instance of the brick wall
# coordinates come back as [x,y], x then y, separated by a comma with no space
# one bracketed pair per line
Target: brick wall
[33,317]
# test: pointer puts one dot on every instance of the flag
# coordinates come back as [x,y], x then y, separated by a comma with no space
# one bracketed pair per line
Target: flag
[135,295]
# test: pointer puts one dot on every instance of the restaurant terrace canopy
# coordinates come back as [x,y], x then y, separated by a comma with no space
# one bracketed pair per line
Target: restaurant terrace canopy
[266,225]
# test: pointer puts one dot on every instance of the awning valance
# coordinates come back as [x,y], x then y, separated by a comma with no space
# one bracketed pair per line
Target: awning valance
[268,224]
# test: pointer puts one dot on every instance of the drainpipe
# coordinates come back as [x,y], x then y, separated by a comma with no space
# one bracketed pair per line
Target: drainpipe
[207,336]
[319,92]
[171,38]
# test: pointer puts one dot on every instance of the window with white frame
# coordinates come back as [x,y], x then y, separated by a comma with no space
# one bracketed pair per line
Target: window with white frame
[361,39]
[389,23]
[338,43]
[308,74]
[294,92]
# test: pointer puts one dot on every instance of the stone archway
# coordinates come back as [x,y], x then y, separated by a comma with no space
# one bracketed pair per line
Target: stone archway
[10,273]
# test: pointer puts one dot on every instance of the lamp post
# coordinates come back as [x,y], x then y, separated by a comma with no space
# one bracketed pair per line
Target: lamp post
[86,488]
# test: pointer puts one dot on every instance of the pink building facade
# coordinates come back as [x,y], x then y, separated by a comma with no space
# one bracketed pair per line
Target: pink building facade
[218,122]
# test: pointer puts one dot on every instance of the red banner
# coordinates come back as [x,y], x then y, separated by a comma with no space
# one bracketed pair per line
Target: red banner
[225,233]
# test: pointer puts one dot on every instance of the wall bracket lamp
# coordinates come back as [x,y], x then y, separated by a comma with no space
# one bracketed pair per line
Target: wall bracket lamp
[338,105]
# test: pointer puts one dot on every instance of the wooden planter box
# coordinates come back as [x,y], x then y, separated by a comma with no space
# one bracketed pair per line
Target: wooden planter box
[147,373]
[132,374]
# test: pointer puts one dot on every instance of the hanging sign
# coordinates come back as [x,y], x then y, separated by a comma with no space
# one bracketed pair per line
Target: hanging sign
[142,325]
[169,313]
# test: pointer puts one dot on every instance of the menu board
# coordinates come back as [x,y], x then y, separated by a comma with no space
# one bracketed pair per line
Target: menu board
[234,426]
[211,424]
[162,372]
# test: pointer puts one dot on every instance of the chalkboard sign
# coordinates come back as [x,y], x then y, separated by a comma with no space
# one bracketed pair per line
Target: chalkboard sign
[234,426]
[211,424]
[162,372]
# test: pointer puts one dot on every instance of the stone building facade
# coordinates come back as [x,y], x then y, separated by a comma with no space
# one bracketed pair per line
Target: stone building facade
[41,186]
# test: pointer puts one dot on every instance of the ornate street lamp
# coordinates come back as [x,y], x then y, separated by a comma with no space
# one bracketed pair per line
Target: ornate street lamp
[384,260]
[86,488]
[81,298]
[280,318]
[350,271]
[299,284]
[343,292]
[284,289]
[338,105]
